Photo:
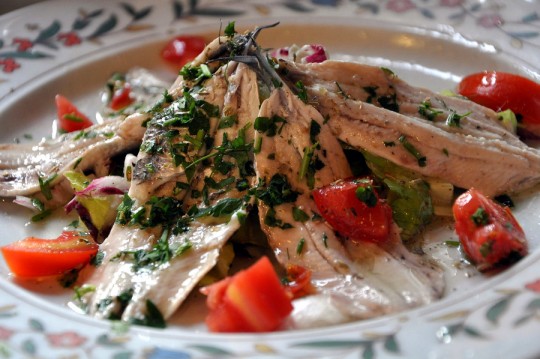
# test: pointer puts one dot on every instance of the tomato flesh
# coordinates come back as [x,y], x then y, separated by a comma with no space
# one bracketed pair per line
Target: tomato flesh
[121,97]
[37,257]
[352,218]
[299,280]
[183,49]
[70,119]
[488,232]
[253,300]
[501,91]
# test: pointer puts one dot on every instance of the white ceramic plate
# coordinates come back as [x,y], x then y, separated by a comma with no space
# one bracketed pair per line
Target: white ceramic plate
[71,47]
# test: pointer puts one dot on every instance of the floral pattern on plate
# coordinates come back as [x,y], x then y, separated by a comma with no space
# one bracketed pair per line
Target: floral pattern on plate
[509,304]
[40,41]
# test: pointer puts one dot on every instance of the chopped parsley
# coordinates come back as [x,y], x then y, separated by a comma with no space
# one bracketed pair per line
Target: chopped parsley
[302,93]
[426,109]
[413,151]
[271,220]
[480,217]
[314,130]
[278,191]
[230,31]
[269,125]
[45,185]
[227,121]
[341,92]
[366,195]
[453,119]
[299,215]
[300,246]
[152,318]
[325,240]
[223,208]
[371,91]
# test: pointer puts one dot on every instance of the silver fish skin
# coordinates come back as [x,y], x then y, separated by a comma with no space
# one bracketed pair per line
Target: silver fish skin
[479,152]
[22,165]
[348,278]
[169,283]
[154,175]
[383,88]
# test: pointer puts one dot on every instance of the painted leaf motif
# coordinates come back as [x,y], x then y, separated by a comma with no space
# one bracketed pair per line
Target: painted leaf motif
[325,2]
[298,7]
[36,325]
[123,355]
[105,340]
[530,17]
[105,27]
[473,332]
[524,34]
[162,353]
[218,12]
[95,13]
[80,23]
[496,310]
[29,346]
[48,32]
[391,344]
[210,349]
[475,7]
[369,352]
[24,55]
[524,319]
[534,304]
[178,9]
[137,15]
[458,16]
[371,7]
[427,13]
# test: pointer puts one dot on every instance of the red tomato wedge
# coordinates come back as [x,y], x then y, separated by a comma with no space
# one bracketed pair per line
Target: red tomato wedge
[488,232]
[121,97]
[253,300]
[501,91]
[70,119]
[36,257]
[299,281]
[353,208]
[183,49]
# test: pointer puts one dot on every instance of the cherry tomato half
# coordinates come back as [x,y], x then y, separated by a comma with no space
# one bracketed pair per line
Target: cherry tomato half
[501,91]
[36,257]
[253,300]
[488,232]
[121,97]
[182,49]
[353,208]
[70,119]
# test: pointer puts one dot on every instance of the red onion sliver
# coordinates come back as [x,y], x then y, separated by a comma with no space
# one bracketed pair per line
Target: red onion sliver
[105,186]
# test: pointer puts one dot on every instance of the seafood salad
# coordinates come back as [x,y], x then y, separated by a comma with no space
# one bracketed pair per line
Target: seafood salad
[281,171]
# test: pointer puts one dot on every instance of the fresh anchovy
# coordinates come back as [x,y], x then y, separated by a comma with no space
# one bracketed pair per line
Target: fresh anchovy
[23,165]
[349,278]
[382,88]
[475,152]
[194,248]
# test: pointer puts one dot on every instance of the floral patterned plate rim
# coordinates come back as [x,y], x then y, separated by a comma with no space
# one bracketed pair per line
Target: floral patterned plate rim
[498,319]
